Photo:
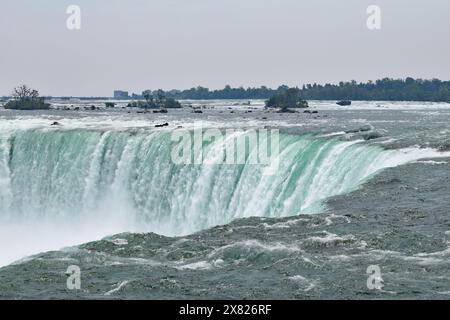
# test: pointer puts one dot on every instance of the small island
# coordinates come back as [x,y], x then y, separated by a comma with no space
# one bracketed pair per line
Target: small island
[24,98]
[155,101]
[289,99]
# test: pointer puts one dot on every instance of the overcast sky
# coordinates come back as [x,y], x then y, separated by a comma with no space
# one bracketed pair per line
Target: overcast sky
[151,44]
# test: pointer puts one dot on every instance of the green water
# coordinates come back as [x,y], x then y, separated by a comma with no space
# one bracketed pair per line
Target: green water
[128,177]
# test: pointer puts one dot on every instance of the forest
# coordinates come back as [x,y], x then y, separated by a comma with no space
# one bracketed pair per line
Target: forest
[386,89]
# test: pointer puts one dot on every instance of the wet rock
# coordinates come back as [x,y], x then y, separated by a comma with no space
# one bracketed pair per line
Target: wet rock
[375,134]
[286,111]
[162,125]
[364,128]
[344,103]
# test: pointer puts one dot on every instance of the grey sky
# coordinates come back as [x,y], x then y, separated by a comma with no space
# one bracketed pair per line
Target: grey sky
[141,44]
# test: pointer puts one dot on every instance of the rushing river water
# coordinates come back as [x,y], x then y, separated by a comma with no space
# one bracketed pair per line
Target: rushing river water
[308,223]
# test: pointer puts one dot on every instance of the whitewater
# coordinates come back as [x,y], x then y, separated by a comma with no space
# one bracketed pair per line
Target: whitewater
[61,186]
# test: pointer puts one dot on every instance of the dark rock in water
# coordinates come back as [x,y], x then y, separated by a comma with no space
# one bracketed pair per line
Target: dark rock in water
[56,123]
[315,111]
[162,125]
[444,147]
[198,111]
[364,128]
[344,103]
[303,104]
[93,108]
[307,111]
[373,135]
[286,111]
[161,111]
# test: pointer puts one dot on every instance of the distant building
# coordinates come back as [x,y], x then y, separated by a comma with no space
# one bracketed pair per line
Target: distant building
[119,94]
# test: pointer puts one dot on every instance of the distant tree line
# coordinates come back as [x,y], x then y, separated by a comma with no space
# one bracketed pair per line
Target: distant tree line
[202,93]
[388,89]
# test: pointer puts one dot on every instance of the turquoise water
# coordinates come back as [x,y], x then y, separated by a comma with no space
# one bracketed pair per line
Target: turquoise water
[127,178]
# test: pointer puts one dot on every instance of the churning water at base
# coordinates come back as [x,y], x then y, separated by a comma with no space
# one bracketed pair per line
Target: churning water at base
[63,187]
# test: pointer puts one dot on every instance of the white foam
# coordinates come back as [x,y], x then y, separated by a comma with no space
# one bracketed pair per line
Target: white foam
[331,238]
[119,287]
[119,242]
[200,265]
[304,283]
[432,162]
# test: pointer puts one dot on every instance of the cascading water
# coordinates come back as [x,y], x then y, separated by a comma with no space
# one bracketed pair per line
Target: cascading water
[62,187]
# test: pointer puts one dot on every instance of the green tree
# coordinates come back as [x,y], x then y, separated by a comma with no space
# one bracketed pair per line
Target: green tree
[287,99]
[25,98]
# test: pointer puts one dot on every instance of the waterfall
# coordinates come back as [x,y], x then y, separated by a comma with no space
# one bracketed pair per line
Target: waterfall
[101,182]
